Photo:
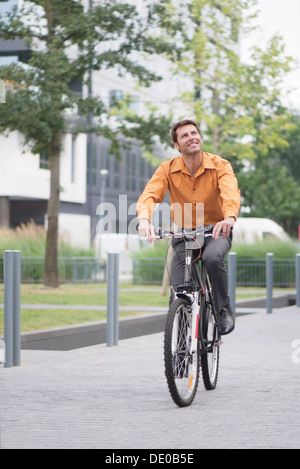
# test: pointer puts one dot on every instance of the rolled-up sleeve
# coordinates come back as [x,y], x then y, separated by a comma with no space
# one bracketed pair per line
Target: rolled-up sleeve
[229,191]
[153,193]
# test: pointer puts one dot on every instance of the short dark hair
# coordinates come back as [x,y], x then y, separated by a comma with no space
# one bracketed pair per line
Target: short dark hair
[181,124]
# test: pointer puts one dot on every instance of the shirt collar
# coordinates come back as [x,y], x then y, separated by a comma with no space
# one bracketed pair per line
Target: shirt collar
[177,164]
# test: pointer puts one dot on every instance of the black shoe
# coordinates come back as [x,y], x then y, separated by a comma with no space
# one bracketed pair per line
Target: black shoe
[226,323]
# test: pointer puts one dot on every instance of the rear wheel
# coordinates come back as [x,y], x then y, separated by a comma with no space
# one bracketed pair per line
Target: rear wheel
[181,366]
[210,359]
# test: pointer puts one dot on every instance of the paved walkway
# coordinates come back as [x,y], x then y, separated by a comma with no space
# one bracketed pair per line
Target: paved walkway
[117,397]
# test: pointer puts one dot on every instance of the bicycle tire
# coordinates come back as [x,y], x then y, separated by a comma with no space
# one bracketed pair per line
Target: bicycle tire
[181,367]
[211,357]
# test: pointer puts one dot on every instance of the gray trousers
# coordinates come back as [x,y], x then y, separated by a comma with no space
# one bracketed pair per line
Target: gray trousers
[213,254]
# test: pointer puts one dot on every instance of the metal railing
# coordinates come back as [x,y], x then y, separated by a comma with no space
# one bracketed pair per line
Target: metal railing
[12,304]
[252,272]
[70,269]
[249,272]
[12,285]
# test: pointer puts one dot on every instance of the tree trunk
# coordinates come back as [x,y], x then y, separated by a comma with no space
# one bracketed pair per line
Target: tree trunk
[51,268]
[4,212]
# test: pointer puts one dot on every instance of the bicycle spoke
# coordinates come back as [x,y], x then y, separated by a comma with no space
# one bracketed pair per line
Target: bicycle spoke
[210,359]
[182,367]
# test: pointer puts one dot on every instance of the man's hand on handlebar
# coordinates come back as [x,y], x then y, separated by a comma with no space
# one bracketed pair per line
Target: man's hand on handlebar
[146,230]
[224,226]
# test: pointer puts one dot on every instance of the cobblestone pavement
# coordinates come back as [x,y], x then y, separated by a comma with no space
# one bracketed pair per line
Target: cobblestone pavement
[117,397]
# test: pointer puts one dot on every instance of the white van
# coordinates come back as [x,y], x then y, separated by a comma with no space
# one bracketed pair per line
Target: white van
[250,230]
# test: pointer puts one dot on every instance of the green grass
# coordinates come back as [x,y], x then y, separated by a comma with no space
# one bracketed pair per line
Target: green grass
[38,320]
[79,294]
[280,249]
[30,239]
[89,295]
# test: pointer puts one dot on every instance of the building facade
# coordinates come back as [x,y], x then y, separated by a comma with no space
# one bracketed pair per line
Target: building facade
[25,177]
[90,175]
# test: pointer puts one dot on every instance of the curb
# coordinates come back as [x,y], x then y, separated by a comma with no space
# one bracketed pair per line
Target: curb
[69,338]
[72,337]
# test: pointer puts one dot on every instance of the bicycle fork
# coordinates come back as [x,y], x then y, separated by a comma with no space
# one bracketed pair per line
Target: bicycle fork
[194,322]
[195,325]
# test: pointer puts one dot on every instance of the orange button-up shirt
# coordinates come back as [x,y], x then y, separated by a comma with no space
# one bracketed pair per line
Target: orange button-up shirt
[215,186]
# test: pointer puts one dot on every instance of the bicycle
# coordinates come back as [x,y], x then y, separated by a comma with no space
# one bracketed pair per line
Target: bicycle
[191,334]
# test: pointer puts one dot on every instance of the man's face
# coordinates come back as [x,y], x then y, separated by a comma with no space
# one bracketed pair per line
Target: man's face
[189,140]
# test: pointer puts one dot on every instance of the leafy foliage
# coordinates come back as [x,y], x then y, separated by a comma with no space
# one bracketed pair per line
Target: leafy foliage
[238,106]
[66,43]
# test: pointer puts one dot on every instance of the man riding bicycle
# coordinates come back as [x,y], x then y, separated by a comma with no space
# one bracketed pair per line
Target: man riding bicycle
[194,178]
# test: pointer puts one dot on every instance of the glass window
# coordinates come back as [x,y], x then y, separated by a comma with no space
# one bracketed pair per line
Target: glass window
[142,167]
[134,104]
[116,165]
[73,158]
[116,181]
[128,164]
[8,59]
[94,159]
[44,160]
[114,97]
[107,166]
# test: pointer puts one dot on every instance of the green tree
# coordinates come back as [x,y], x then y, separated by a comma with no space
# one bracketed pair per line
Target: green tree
[270,186]
[236,104]
[290,156]
[270,192]
[67,43]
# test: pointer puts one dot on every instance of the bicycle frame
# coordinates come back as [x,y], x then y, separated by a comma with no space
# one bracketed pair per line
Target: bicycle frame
[191,337]
[193,289]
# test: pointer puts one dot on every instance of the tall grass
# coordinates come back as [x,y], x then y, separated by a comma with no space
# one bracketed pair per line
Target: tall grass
[157,249]
[30,240]
[280,249]
[258,250]
[147,270]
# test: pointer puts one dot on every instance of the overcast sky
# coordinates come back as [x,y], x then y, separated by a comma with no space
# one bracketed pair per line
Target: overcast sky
[283,17]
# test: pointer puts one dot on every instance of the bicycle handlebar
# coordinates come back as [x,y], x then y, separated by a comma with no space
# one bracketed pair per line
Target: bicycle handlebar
[199,231]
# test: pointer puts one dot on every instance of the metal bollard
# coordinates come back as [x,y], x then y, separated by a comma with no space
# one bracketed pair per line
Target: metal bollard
[298,280]
[112,331]
[12,317]
[269,281]
[232,279]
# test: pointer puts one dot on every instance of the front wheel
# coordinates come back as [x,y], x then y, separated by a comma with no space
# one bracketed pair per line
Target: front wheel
[181,366]
[211,356]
